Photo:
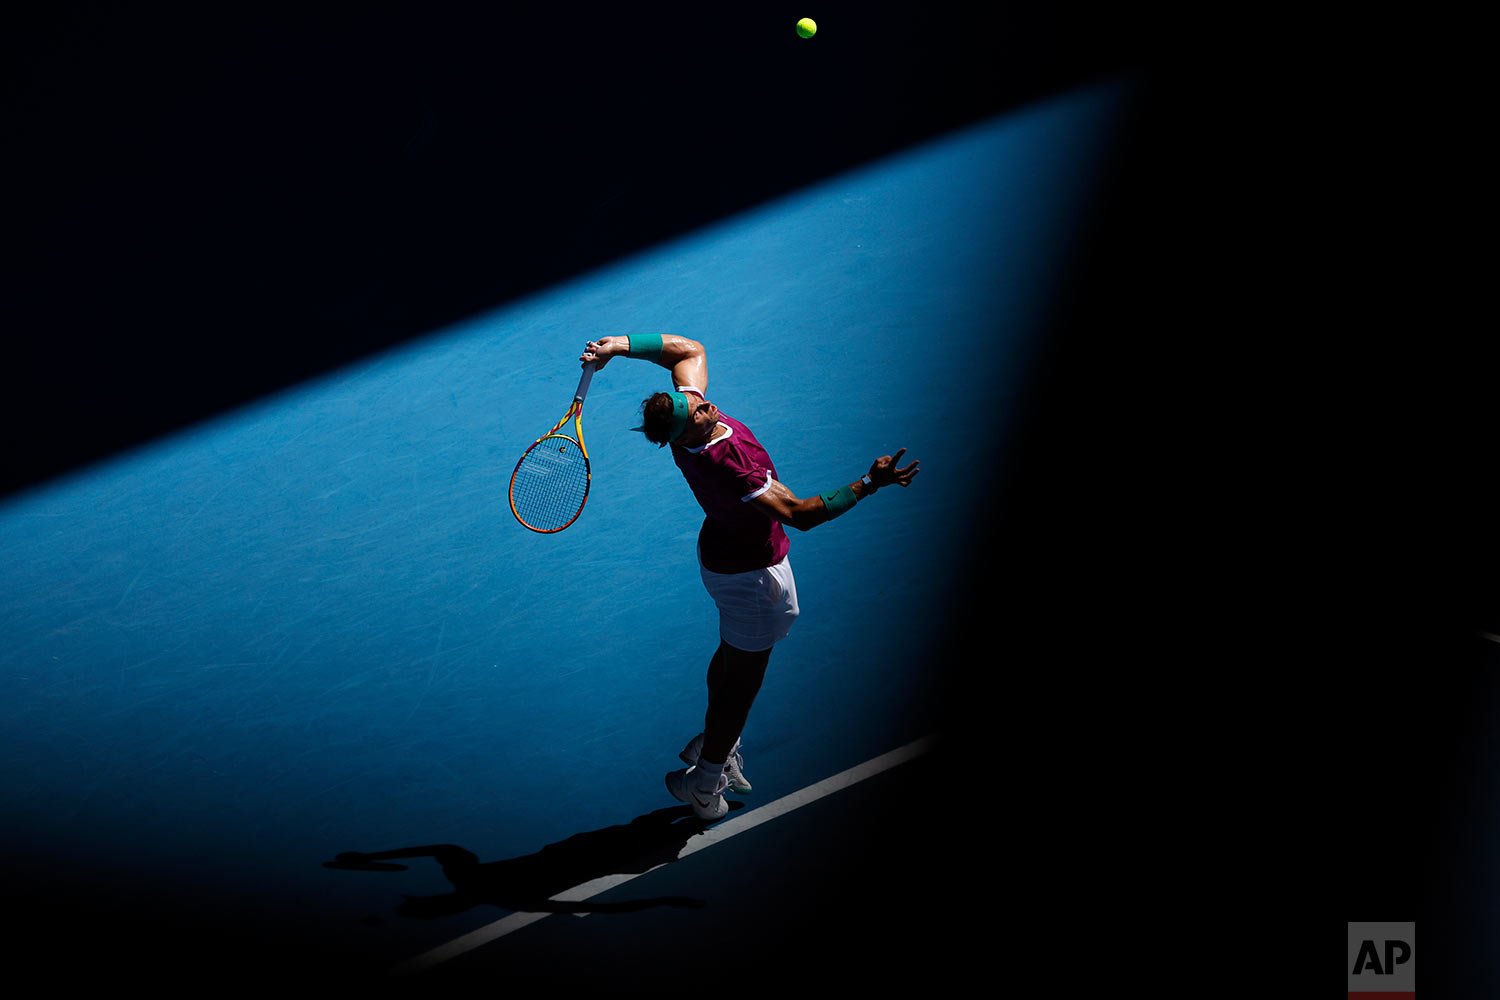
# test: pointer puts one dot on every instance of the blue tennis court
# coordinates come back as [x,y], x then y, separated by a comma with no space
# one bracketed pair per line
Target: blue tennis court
[312,625]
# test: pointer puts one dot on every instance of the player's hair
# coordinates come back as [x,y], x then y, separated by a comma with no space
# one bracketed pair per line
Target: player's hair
[656,418]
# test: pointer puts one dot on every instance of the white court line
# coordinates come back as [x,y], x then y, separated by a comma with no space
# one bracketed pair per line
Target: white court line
[735,825]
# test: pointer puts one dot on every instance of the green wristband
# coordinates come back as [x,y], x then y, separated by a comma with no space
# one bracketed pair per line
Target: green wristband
[839,500]
[645,345]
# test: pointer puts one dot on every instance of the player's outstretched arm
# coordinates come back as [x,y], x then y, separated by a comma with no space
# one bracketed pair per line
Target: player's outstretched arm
[804,514]
[684,357]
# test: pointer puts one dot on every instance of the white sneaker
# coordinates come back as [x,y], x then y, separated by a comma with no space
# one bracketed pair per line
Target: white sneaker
[734,767]
[706,805]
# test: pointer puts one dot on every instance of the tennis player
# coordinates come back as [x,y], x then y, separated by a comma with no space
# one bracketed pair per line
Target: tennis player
[742,547]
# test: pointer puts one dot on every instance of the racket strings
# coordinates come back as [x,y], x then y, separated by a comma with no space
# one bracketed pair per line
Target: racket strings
[550,484]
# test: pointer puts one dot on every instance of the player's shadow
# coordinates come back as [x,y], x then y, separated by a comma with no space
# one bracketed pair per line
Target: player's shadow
[527,883]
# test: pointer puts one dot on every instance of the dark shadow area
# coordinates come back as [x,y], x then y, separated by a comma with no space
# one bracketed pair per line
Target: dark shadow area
[122,917]
[873,884]
[527,883]
[209,205]
[1227,587]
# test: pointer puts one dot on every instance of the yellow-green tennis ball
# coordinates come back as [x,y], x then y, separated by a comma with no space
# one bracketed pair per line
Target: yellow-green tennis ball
[807,27]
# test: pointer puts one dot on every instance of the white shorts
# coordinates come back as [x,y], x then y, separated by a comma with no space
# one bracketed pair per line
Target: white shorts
[756,609]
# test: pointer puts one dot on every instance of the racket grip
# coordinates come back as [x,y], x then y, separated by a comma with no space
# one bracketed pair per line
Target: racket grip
[583,382]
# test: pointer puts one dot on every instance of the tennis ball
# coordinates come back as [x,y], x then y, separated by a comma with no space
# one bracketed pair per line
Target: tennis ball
[807,27]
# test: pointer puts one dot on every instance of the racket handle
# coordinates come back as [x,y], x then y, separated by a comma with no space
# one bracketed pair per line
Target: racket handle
[583,382]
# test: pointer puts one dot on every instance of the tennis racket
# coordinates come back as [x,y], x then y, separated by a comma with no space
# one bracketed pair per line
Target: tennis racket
[550,483]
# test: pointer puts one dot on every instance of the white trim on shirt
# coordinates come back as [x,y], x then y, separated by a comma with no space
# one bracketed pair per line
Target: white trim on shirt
[751,496]
[728,433]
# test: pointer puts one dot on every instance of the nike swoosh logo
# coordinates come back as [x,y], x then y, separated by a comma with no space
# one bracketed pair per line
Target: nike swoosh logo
[702,802]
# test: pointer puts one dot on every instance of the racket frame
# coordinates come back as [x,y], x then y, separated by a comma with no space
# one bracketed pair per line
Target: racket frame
[574,413]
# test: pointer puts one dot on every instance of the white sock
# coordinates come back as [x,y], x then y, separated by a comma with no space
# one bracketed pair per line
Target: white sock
[707,775]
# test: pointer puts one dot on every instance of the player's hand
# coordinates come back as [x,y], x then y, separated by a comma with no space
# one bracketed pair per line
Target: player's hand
[601,350]
[886,471]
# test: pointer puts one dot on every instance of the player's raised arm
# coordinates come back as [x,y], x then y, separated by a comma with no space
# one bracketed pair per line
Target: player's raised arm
[682,356]
[806,514]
